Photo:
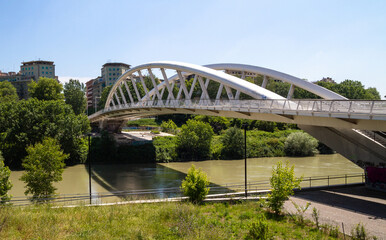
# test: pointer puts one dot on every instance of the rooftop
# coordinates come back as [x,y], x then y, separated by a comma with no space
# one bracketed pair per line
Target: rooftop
[116,64]
[37,62]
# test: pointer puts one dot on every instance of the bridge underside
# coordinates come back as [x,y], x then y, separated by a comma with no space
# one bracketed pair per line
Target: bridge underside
[273,115]
[360,149]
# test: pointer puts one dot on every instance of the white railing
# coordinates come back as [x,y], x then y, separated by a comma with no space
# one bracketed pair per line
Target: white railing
[362,109]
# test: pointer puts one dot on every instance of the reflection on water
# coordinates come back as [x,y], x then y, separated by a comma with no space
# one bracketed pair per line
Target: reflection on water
[124,177]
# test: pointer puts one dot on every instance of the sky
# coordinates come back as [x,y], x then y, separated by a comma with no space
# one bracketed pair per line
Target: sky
[309,39]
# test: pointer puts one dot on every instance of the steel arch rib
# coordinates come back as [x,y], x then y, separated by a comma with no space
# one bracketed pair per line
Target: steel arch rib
[228,80]
[311,87]
[316,89]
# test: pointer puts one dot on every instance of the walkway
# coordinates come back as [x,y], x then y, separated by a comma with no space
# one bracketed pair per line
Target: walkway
[348,205]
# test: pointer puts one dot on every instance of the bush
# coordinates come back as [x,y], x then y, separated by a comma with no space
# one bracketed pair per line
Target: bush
[43,165]
[5,184]
[169,126]
[259,229]
[300,144]
[233,143]
[165,149]
[359,232]
[194,140]
[283,182]
[195,185]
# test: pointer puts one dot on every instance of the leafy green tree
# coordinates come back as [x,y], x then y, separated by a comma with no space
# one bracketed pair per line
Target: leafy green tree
[300,144]
[46,89]
[104,95]
[232,142]
[43,165]
[5,184]
[194,140]
[75,96]
[372,94]
[195,185]
[7,92]
[27,122]
[217,123]
[169,126]
[283,182]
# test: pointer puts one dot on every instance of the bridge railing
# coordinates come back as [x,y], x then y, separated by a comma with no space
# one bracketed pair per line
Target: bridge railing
[333,108]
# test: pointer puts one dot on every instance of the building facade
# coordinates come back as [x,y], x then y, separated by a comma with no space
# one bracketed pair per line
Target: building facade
[29,71]
[110,72]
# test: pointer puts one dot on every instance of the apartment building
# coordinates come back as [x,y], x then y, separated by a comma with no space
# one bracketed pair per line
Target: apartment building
[29,71]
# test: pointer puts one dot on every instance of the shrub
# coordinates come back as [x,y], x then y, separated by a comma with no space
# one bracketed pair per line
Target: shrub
[283,182]
[359,232]
[259,229]
[5,184]
[43,165]
[233,143]
[169,126]
[194,140]
[165,149]
[300,144]
[316,216]
[195,185]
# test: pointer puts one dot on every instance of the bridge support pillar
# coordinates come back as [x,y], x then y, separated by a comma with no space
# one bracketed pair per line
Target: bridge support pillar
[113,126]
[354,146]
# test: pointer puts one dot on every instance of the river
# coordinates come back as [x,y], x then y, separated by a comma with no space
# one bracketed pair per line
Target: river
[221,173]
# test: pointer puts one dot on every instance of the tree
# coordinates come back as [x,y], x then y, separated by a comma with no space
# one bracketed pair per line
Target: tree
[283,182]
[104,95]
[74,95]
[193,142]
[7,92]
[195,185]
[27,122]
[43,165]
[216,122]
[46,89]
[5,184]
[169,126]
[300,144]
[232,141]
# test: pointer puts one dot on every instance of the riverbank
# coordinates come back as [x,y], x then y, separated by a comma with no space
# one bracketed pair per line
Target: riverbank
[150,221]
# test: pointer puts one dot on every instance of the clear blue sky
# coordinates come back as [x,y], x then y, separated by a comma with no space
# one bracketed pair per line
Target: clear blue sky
[343,39]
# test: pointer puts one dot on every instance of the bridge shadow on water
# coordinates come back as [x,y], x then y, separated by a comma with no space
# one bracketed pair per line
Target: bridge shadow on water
[154,177]
[356,199]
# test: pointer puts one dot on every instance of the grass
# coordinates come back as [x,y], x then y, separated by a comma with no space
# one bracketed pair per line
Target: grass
[143,122]
[148,221]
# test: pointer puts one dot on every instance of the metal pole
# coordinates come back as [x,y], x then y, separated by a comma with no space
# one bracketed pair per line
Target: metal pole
[89,165]
[245,159]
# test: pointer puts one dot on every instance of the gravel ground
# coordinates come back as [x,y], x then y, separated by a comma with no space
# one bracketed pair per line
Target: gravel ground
[349,206]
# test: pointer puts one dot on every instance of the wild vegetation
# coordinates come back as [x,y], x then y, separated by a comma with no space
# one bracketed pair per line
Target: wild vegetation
[27,122]
[195,185]
[44,165]
[5,184]
[180,220]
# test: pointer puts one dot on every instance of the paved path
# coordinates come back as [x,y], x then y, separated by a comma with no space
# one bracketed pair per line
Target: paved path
[348,205]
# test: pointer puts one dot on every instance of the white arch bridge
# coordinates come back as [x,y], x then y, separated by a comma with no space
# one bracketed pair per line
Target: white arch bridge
[353,128]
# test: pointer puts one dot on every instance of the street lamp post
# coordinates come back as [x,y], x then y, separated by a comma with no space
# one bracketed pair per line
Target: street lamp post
[89,164]
[245,159]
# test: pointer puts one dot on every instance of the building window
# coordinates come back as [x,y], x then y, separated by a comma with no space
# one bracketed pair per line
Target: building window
[117,69]
[46,67]
[32,68]
[42,67]
[109,74]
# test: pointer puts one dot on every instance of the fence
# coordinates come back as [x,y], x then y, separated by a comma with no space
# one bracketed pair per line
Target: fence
[174,193]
